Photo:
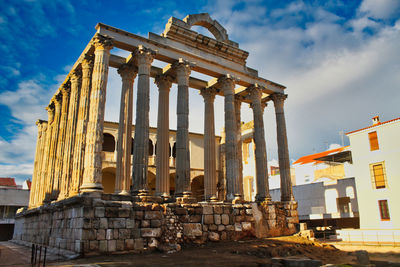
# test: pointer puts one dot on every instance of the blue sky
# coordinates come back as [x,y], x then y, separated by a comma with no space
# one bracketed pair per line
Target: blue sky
[340,61]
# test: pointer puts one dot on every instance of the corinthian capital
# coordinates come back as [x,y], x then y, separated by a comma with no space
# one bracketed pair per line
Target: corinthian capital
[87,62]
[127,71]
[164,82]
[278,99]
[65,89]
[227,83]
[144,55]
[75,75]
[102,42]
[255,92]
[182,69]
[208,94]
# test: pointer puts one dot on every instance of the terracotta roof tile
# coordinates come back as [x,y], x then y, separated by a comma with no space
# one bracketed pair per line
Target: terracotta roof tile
[6,181]
[373,126]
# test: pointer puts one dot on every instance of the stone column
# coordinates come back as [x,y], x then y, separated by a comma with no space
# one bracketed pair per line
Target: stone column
[58,181]
[255,94]
[210,168]
[36,164]
[141,146]
[283,151]
[238,104]
[53,147]
[81,126]
[94,134]
[45,170]
[124,142]
[231,165]
[182,179]
[164,83]
[69,144]
[41,170]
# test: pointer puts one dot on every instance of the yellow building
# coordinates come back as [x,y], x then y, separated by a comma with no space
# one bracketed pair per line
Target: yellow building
[376,161]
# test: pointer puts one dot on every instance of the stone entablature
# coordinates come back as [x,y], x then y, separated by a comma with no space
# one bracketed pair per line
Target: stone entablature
[113,223]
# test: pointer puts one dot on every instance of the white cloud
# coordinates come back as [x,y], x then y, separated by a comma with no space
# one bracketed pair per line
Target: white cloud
[380,9]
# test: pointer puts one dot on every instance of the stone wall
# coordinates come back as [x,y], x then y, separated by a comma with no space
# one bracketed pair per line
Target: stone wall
[83,224]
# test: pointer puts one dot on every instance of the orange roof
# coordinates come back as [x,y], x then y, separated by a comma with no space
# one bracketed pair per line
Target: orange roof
[313,157]
[29,183]
[7,182]
[380,123]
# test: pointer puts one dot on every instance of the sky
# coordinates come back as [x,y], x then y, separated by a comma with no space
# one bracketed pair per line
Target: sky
[340,62]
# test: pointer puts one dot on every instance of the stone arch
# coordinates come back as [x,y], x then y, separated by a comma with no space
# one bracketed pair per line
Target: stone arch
[108,180]
[197,186]
[204,20]
[108,142]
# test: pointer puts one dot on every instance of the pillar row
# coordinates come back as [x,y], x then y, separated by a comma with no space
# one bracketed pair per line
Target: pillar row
[210,169]
[124,141]
[141,148]
[255,94]
[164,83]
[92,174]
[283,151]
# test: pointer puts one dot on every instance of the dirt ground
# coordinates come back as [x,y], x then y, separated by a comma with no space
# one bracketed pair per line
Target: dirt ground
[251,252]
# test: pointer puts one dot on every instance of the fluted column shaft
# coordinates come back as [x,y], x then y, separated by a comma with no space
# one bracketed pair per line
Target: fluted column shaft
[182,179]
[69,144]
[141,146]
[124,142]
[81,126]
[39,184]
[260,147]
[53,147]
[36,164]
[65,90]
[94,135]
[44,158]
[45,169]
[283,150]
[210,168]
[238,104]
[231,164]
[164,83]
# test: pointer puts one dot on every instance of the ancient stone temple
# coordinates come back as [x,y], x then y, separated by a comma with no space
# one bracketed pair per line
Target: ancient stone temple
[69,208]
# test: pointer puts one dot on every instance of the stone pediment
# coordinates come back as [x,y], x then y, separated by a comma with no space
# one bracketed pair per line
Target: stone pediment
[180,31]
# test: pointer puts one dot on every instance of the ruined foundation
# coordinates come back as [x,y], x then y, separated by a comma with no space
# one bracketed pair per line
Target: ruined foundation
[87,225]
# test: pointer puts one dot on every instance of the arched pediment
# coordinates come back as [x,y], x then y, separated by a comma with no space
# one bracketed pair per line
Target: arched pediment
[204,20]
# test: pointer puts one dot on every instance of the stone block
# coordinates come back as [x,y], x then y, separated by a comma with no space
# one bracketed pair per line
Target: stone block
[205,228]
[238,227]
[155,223]
[153,215]
[111,245]
[124,212]
[94,245]
[117,223]
[213,236]
[225,219]
[213,227]
[130,223]
[239,218]
[115,233]
[111,212]
[109,234]
[224,236]
[192,229]
[120,245]
[217,219]
[124,233]
[150,232]
[246,226]
[208,219]
[138,214]
[103,224]
[195,218]
[129,244]
[362,257]
[152,243]
[198,210]
[103,245]
[218,209]
[221,228]
[99,212]
[87,212]
[207,210]
[101,234]
[138,244]
[145,223]
[180,211]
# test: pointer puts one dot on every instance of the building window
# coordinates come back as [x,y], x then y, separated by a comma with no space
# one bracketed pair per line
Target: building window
[384,210]
[373,141]
[378,175]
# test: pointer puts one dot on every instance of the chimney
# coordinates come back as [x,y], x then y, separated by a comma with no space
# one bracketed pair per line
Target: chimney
[375,120]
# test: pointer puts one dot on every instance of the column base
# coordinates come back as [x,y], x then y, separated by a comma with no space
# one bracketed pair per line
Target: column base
[238,199]
[186,198]
[124,193]
[213,199]
[261,199]
[92,187]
